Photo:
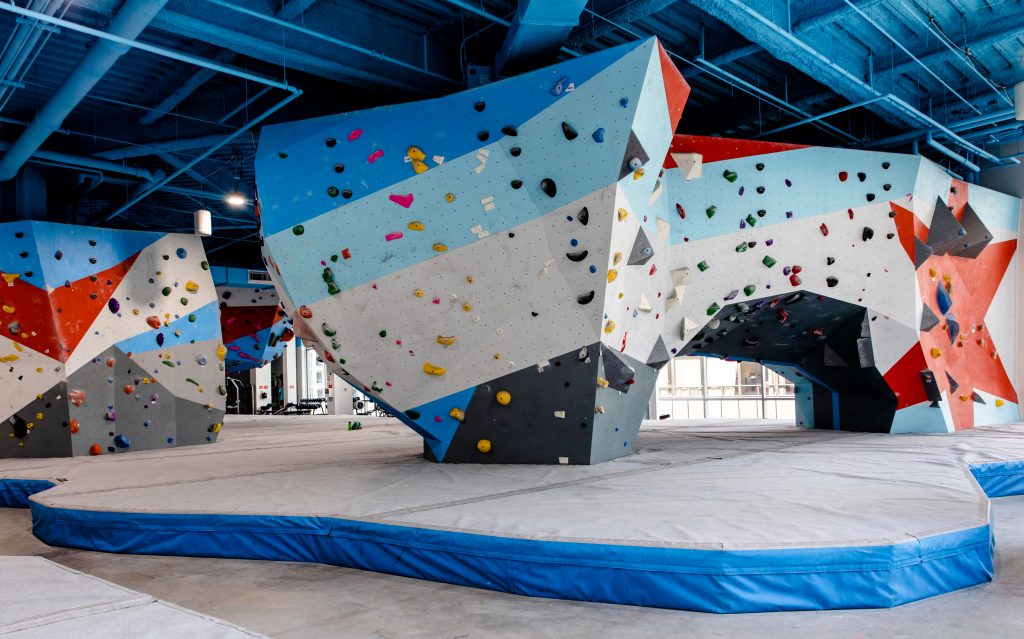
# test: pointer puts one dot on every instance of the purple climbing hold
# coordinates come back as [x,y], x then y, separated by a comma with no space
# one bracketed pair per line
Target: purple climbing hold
[159,339]
[113,305]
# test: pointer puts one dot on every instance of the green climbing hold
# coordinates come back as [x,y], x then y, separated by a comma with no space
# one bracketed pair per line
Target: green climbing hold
[191,317]
[205,265]
[282,155]
[730,175]
[711,210]
[768,261]
[741,247]
[334,258]
[333,191]
[184,301]
[191,381]
[751,220]
[328,331]
[334,344]
[383,333]
[749,289]
[332,288]
[298,229]
[714,308]
[166,291]
[328,274]
[702,266]
[167,362]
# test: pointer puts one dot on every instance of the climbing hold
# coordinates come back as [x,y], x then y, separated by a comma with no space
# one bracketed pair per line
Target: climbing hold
[457,414]
[484,446]
[404,201]
[113,305]
[936,353]
[396,235]
[449,197]
[710,211]
[376,155]
[831,281]
[305,312]
[867,234]
[503,397]
[440,248]
[598,135]
[516,184]
[95,449]
[445,340]
[612,274]
[562,86]
[467,307]
[749,289]
[415,153]
[1000,403]
[623,214]
[794,279]
[768,261]
[714,308]
[222,352]
[942,298]
[509,131]
[548,186]
[430,369]
[569,132]
[730,175]
[191,287]
[418,292]
[602,382]
[824,229]
[122,441]
[843,175]
[586,298]
[583,216]
[333,191]
[578,256]
[382,333]
[702,266]
[609,327]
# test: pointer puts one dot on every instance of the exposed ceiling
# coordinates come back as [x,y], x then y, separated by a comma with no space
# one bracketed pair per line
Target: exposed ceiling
[189,97]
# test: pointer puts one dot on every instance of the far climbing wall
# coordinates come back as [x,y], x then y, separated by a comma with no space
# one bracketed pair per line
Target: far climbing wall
[884,288]
[110,341]
[254,326]
[484,263]
[508,267]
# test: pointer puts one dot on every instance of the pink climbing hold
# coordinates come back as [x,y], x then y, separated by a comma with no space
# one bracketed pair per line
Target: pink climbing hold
[401,200]
[354,134]
[374,156]
[397,235]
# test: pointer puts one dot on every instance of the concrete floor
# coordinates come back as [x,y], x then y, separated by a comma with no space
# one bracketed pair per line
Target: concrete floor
[309,600]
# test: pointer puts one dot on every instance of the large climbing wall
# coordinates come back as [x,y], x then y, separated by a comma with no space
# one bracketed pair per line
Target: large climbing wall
[254,326]
[484,263]
[109,341]
[884,288]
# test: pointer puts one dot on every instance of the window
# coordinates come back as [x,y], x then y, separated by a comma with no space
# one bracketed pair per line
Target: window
[706,387]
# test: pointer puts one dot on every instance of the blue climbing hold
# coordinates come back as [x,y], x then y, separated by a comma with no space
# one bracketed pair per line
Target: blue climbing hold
[182,253]
[953,326]
[942,299]
[121,441]
[599,135]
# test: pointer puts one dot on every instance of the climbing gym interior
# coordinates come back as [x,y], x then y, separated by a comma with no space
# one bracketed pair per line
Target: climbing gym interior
[502,318]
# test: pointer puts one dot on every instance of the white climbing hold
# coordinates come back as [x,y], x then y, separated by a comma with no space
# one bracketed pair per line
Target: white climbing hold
[662,228]
[560,414]
[681,276]
[644,305]
[481,156]
[690,165]
[488,203]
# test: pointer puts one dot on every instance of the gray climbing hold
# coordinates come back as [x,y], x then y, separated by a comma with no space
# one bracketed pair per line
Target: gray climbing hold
[659,354]
[944,233]
[929,319]
[642,250]
[921,253]
[618,373]
[634,150]
[977,238]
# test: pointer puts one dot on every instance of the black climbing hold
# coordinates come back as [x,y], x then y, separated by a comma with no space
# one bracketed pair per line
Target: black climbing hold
[762,213]
[338,168]
[509,131]
[515,151]
[870,197]
[548,186]
[977,398]
[534,313]
[330,142]
[976,236]
[346,194]
[584,216]
[889,236]
[862,176]
[760,189]
[480,106]
[886,187]
[885,165]
[414,414]
[511,234]
[832,281]
[569,132]
[867,234]
[586,298]
[945,231]
[931,388]
[759,166]
[953,385]
[578,256]
[921,253]
[517,184]
[483,136]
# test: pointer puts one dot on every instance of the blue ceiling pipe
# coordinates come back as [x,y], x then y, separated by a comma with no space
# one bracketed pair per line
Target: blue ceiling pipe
[538,30]
[21,45]
[78,161]
[128,23]
[187,88]
[944,150]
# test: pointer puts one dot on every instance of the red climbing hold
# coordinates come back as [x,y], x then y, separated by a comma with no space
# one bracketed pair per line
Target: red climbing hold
[681,211]
[824,229]
[843,175]
[402,200]
[794,279]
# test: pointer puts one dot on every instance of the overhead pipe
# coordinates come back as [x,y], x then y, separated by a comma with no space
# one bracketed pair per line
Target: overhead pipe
[187,88]
[230,114]
[820,116]
[128,23]
[949,153]
[22,42]
[79,161]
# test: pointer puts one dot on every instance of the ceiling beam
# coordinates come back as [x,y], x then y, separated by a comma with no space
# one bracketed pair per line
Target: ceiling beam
[292,9]
[185,89]
[630,13]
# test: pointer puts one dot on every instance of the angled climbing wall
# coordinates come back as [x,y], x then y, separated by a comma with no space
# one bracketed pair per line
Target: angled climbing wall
[485,264]
[254,326]
[110,341]
[884,288]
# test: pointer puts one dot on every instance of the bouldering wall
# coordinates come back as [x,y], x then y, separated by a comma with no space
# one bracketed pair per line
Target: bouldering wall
[110,341]
[254,326]
[484,264]
[882,286]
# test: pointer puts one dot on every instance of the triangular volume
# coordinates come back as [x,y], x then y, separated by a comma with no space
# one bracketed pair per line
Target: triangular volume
[676,88]
[618,373]
[921,253]
[944,233]
[832,358]
[931,388]
[865,352]
[929,319]
[642,249]
[952,383]
[977,238]
[977,398]
[659,354]
[634,157]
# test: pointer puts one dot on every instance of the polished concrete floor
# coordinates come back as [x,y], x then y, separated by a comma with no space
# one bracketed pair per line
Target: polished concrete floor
[309,600]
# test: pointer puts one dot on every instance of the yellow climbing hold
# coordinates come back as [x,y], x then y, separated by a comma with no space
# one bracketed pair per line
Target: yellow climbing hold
[609,326]
[10,277]
[612,274]
[623,214]
[936,353]
[191,287]
[416,226]
[222,352]
[419,166]
[617,258]
[457,414]
[9,358]
[440,248]
[215,428]
[418,292]
[484,446]
[1000,403]
[430,369]
[963,397]
[415,153]
[469,279]
[445,340]
[497,356]
[449,197]
[8,309]
[467,307]
[602,382]
[504,398]
[932,273]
